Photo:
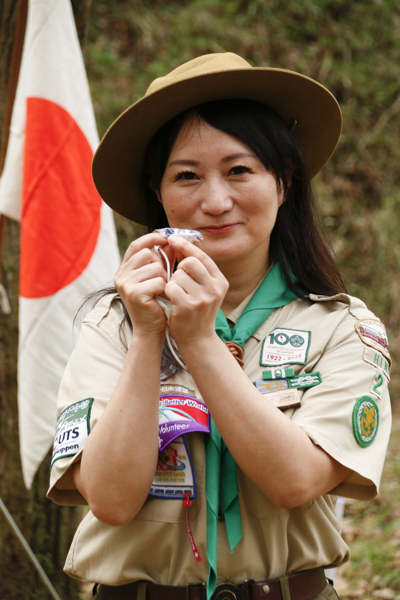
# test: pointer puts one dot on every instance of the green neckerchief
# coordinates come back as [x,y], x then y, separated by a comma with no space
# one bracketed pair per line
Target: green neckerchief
[221,475]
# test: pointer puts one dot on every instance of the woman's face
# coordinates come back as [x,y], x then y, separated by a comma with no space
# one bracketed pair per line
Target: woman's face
[214,183]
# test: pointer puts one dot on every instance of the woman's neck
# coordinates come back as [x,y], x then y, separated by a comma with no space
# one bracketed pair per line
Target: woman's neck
[241,283]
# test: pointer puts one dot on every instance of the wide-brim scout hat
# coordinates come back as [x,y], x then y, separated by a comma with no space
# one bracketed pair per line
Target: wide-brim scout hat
[307,107]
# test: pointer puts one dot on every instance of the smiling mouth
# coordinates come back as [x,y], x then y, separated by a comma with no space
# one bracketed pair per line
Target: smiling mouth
[218,229]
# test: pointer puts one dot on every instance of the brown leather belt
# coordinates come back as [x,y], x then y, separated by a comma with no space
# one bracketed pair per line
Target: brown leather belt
[303,586]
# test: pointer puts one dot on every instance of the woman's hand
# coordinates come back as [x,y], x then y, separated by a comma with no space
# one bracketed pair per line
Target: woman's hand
[140,278]
[196,290]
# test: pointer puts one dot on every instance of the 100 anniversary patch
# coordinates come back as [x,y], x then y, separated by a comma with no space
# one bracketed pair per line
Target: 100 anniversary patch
[285,347]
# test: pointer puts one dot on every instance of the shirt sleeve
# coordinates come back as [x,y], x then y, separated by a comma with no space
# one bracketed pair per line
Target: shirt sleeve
[86,387]
[353,380]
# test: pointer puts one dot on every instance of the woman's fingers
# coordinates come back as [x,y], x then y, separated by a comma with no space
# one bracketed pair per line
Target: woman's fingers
[130,277]
[146,241]
[184,249]
[140,259]
[196,290]
[142,276]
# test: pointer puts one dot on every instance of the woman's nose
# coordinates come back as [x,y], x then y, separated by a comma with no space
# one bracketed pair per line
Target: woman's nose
[216,198]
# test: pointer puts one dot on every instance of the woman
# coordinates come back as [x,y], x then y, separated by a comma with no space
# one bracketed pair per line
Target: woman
[293,371]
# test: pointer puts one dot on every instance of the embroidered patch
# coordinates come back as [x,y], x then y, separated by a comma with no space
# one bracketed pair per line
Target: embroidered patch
[180,414]
[278,374]
[373,333]
[273,385]
[305,381]
[174,475]
[377,360]
[170,388]
[72,429]
[365,420]
[285,399]
[285,346]
[378,386]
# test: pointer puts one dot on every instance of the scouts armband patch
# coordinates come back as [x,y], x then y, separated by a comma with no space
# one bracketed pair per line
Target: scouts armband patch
[285,346]
[72,429]
[373,333]
[365,420]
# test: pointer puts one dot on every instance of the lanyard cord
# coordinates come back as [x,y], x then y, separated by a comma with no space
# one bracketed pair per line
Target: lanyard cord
[165,308]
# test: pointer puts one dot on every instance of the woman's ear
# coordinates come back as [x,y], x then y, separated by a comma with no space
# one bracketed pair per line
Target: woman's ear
[157,192]
[282,191]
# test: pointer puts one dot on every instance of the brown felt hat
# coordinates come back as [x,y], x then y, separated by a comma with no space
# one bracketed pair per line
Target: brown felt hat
[308,108]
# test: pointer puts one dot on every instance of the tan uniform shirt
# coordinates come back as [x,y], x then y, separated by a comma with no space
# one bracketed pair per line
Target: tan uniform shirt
[330,336]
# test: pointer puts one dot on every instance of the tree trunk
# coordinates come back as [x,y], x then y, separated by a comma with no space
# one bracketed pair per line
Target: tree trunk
[47,528]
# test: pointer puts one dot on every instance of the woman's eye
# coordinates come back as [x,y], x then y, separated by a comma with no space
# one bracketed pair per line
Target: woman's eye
[239,170]
[186,175]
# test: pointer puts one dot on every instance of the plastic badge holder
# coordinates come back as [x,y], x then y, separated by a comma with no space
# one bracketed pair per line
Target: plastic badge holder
[191,235]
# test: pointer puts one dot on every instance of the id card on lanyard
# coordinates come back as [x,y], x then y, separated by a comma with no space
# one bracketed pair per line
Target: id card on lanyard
[174,480]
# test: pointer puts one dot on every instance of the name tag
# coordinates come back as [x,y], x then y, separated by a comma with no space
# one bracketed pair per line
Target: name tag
[285,399]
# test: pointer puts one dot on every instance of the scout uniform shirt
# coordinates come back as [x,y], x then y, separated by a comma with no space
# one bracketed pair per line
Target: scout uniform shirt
[333,354]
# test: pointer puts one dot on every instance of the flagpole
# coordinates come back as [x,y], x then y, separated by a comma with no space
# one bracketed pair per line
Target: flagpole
[15,65]
[18,46]
[29,552]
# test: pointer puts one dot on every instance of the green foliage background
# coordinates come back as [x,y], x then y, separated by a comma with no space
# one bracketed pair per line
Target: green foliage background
[351,47]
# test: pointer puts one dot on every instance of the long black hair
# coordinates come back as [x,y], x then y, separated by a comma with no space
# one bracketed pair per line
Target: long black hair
[297,240]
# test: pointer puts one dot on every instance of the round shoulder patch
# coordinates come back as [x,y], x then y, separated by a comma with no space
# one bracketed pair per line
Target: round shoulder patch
[365,420]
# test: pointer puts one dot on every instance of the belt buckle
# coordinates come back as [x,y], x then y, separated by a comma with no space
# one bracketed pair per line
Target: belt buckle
[227,591]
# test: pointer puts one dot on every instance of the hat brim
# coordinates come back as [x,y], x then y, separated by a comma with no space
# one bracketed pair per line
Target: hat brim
[118,161]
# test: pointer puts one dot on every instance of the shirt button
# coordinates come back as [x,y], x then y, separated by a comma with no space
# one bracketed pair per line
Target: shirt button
[265,589]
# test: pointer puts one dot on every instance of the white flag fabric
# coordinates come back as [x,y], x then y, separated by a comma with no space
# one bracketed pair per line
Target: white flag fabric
[68,240]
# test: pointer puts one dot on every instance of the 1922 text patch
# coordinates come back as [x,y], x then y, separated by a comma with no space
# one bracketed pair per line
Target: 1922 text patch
[284,347]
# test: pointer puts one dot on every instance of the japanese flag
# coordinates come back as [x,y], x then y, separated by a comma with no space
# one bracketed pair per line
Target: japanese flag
[68,241]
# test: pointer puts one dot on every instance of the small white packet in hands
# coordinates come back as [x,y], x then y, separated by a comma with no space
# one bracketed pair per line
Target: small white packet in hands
[191,235]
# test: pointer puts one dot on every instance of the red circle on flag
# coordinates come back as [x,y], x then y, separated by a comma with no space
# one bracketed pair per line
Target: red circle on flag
[60,220]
